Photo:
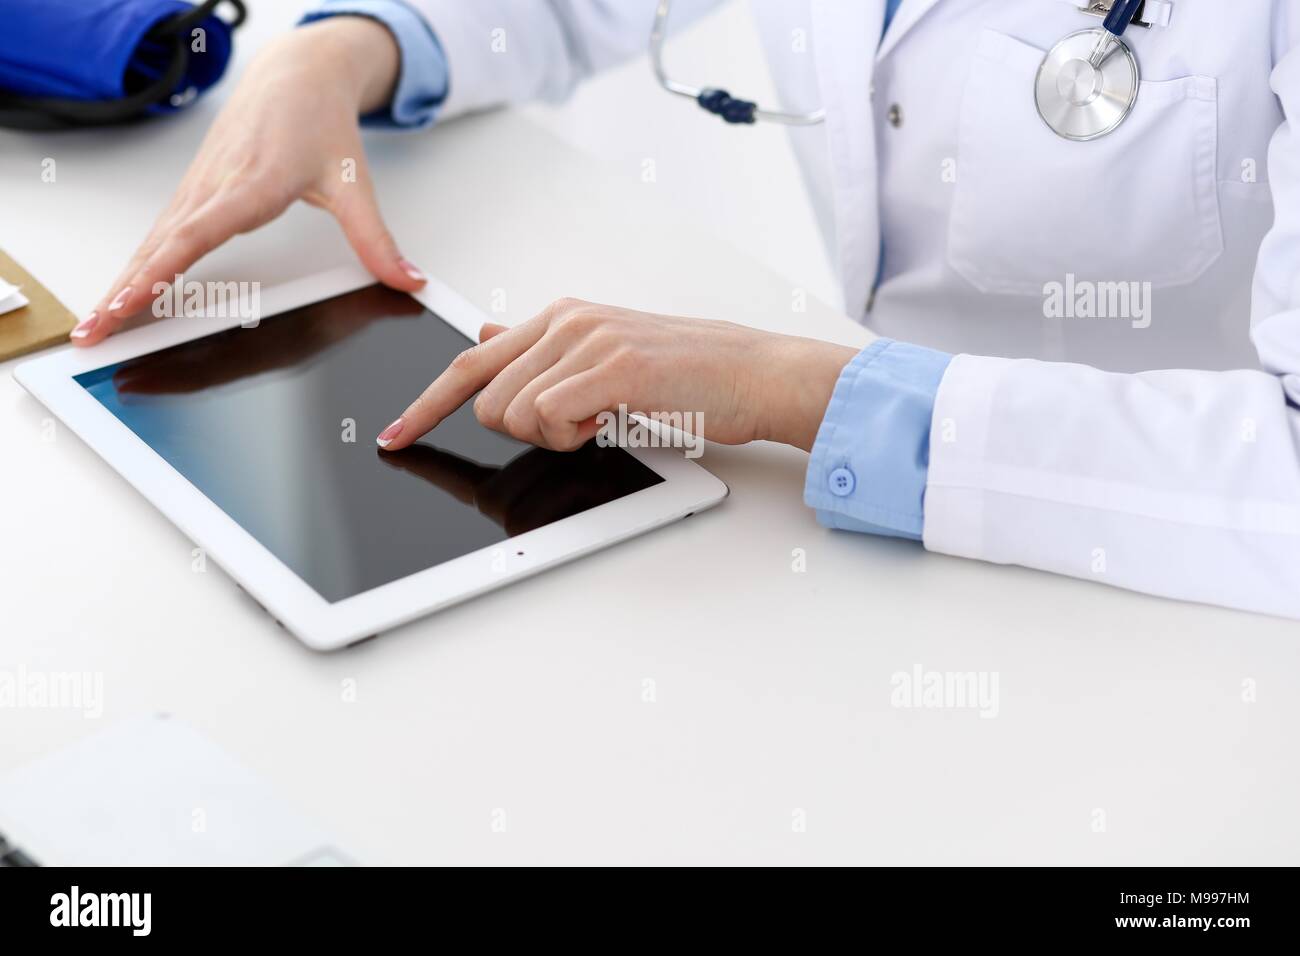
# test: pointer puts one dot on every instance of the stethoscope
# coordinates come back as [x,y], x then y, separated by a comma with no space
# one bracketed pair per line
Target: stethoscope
[716,101]
[1085,88]
[1087,84]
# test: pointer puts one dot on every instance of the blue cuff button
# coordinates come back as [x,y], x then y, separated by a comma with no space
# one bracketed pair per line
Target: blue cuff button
[842,482]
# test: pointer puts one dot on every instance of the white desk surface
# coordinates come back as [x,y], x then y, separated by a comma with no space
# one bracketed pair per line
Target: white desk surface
[772,688]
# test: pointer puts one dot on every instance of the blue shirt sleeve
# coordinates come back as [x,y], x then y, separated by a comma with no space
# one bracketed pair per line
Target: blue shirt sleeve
[423,79]
[872,455]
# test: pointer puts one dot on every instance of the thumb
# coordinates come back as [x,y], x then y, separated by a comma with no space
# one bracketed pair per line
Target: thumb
[358,213]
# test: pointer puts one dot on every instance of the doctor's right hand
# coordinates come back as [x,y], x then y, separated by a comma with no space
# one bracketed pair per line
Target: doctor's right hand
[284,135]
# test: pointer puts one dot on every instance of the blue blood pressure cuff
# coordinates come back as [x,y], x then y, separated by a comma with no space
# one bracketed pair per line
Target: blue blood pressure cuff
[93,62]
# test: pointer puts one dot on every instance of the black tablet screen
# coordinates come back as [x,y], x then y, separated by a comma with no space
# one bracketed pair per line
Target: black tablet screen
[276,425]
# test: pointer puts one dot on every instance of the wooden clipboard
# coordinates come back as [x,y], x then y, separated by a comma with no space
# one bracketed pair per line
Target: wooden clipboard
[44,321]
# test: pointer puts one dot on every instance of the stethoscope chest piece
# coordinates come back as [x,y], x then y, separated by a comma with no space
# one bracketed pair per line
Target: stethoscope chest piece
[1086,85]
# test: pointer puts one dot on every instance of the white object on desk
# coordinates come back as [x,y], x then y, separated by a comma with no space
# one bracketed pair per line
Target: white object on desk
[151,791]
[11,298]
[321,622]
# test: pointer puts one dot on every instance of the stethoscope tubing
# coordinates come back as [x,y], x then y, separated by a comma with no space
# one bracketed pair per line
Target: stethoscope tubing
[738,111]
[703,95]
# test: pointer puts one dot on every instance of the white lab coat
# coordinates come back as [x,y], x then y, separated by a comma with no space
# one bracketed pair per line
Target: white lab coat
[1155,447]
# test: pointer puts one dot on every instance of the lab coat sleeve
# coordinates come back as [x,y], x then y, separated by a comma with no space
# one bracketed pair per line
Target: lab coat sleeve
[867,471]
[1178,483]
[422,79]
[505,51]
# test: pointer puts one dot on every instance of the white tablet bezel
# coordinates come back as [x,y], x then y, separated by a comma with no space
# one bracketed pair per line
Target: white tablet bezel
[318,623]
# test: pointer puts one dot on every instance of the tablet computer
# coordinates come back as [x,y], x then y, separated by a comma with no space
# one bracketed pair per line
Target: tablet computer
[258,442]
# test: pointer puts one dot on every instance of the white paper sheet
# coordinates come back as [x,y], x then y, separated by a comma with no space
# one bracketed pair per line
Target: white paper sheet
[10,297]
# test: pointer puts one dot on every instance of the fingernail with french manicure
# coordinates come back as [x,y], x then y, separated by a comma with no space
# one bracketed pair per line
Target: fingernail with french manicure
[388,434]
[412,270]
[86,326]
[119,300]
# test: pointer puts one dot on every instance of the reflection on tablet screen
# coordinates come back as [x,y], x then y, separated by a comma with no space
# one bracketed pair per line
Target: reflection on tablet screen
[276,425]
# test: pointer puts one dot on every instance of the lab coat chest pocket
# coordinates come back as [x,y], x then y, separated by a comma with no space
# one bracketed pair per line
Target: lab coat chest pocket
[1139,204]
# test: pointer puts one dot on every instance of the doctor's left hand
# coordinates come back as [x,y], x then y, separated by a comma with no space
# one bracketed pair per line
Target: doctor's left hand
[547,380]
